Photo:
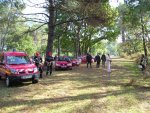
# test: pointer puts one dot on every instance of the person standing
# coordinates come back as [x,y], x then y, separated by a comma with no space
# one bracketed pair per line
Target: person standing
[49,63]
[38,62]
[143,62]
[89,60]
[103,58]
[55,58]
[108,61]
[97,60]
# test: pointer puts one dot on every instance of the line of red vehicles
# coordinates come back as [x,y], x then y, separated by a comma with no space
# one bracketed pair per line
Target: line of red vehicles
[65,62]
[17,66]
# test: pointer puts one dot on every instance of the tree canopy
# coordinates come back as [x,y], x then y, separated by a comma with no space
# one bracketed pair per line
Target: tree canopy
[74,26]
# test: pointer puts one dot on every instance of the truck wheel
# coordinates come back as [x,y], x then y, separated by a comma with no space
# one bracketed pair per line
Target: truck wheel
[34,81]
[8,82]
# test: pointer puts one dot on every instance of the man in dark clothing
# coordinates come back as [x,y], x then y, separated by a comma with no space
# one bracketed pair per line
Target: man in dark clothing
[55,58]
[49,63]
[89,60]
[97,60]
[38,62]
[103,58]
[143,62]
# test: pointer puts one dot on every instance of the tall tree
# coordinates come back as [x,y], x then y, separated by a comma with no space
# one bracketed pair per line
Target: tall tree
[94,12]
[137,15]
[9,10]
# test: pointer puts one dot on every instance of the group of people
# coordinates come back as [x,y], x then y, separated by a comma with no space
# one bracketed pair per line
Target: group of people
[104,58]
[39,63]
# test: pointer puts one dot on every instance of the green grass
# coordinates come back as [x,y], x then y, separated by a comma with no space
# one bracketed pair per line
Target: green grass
[81,90]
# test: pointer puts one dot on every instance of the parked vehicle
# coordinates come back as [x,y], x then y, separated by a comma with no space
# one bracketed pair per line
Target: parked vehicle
[83,59]
[75,62]
[63,63]
[17,66]
[79,59]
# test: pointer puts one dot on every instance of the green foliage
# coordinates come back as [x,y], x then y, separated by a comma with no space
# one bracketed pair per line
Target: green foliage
[9,11]
[112,48]
[22,44]
[134,9]
[42,49]
[78,22]
[20,40]
[98,16]
[106,47]
[134,17]
[100,47]
[130,47]
[99,13]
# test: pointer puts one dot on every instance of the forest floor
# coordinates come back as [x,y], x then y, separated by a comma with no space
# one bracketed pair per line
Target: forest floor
[81,90]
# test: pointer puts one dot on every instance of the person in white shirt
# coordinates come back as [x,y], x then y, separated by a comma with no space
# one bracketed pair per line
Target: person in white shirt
[108,62]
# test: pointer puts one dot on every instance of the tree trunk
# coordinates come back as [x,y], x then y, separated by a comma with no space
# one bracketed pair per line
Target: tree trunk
[3,40]
[78,42]
[51,26]
[89,44]
[123,33]
[74,46]
[79,54]
[58,45]
[143,36]
[122,28]
[86,47]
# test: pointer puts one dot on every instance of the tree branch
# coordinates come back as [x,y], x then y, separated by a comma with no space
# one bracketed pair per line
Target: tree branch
[34,20]
[72,20]
[29,30]
[37,14]
[31,21]
[38,5]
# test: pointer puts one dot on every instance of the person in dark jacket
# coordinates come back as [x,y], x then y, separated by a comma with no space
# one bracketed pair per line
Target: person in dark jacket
[49,63]
[89,60]
[103,58]
[97,60]
[38,62]
[143,62]
[55,58]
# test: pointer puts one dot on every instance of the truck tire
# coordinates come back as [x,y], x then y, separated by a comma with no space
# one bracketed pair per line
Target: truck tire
[8,82]
[34,81]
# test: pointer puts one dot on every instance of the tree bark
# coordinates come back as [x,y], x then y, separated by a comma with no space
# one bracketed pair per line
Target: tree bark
[122,27]
[123,33]
[143,36]
[78,41]
[51,26]
[58,45]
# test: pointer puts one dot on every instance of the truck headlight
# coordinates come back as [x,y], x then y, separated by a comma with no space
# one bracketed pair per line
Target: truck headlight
[57,64]
[70,64]
[13,71]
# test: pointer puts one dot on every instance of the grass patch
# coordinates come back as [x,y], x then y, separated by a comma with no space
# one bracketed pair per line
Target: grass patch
[81,90]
